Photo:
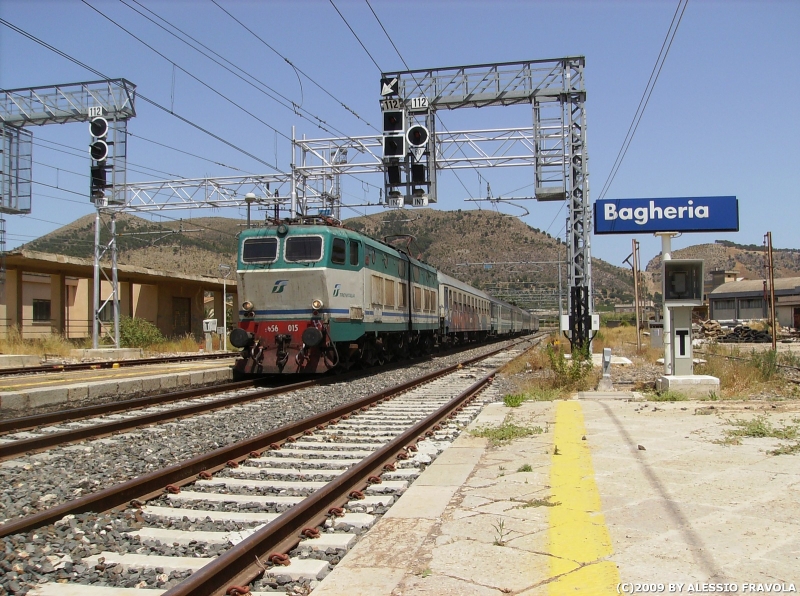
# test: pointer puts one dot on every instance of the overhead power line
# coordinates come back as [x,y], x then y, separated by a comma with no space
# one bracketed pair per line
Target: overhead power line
[186,72]
[356,36]
[284,101]
[138,95]
[648,91]
[292,64]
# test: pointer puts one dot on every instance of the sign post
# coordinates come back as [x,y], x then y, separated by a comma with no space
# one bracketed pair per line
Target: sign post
[682,280]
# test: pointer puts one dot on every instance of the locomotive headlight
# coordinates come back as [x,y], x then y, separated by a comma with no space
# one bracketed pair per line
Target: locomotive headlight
[316,304]
[247,305]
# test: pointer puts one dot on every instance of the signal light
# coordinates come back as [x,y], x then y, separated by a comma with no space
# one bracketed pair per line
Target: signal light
[98,150]
[98,183]
[418,173]
[394,146]
[394,134]
[394,121]
[417,136]
[393,174]
[98,127]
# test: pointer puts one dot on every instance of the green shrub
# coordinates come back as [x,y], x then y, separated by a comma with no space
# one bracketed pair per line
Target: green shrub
[138,333]
[515,400]
[571,374]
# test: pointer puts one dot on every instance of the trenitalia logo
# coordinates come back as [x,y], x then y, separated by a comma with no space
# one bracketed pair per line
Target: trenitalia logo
[687,214]
[336,289]
[279,285]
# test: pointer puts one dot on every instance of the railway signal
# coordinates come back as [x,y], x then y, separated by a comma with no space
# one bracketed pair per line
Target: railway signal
[394,134]
[99,129]
[98,149]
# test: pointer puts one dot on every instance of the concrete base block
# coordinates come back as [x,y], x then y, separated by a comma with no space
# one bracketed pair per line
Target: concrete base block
[605,384]
[689,385]
[11,401]
[14,361]
[108,354]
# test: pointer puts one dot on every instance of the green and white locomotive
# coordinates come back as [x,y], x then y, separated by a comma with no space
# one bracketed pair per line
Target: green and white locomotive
[318,296]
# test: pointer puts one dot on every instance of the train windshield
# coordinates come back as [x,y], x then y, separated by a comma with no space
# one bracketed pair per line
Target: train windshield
[303,248]
[260,250]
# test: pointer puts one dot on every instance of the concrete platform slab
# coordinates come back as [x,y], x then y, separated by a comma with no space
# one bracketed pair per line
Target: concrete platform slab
[693,386]
[18,360]
[108,353]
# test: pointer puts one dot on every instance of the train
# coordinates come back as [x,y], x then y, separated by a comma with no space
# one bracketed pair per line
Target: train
[318,297]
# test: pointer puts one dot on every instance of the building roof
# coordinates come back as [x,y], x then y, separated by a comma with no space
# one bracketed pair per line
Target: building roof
[48,263]
[783,285]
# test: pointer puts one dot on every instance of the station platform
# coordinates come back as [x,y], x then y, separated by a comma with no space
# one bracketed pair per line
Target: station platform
[616,495]
[24,395]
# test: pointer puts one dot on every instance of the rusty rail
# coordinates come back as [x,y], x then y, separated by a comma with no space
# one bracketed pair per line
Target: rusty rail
[238,566]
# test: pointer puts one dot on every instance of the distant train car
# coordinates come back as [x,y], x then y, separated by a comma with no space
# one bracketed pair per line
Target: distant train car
[318,296]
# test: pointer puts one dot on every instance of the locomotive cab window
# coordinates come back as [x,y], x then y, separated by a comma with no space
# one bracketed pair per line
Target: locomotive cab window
[303,248]
[354,260]
[338,251]
[260,250]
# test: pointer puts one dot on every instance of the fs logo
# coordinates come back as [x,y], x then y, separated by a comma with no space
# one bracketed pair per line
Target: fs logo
[279,285]
[336,289]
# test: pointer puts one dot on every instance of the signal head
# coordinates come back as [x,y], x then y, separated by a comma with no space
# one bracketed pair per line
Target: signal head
[98,127]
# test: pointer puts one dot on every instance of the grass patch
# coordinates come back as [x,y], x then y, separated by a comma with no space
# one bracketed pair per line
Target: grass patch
[514,401]
[546,502]
[786,449]
[506,432]
[667,396]
[533,394]
[760,427]
[525,468]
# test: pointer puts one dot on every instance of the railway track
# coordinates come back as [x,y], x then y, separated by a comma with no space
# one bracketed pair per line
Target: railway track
[32,434]
[60,368]
[329,474]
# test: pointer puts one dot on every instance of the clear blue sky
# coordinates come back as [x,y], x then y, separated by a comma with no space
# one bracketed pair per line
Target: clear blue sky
[722,120]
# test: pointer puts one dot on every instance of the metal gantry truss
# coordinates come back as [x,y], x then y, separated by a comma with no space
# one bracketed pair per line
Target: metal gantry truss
[112,99]
[553,144]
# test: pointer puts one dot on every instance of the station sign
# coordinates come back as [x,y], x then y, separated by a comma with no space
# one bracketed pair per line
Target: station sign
[674,214]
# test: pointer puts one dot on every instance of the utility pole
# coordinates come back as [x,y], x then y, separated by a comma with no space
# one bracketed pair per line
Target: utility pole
[771,277]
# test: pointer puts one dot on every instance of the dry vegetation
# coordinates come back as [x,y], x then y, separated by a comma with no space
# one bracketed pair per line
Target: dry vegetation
[743,374]
[55,346]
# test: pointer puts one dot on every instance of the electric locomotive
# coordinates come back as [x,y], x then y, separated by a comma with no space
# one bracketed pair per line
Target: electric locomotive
[317,296]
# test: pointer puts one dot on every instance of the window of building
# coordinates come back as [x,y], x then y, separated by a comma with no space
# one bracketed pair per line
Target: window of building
[303,248]
[106,314]
[260,250]
[751,303]
[338,251]
[41,311]
[724,304]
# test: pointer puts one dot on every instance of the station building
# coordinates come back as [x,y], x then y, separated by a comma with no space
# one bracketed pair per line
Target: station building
[45,293]
[749,299]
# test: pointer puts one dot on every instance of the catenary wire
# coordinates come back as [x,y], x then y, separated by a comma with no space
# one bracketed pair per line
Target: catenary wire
[138,95]
[356,36]
[186,72]
[285,102]
[294,66]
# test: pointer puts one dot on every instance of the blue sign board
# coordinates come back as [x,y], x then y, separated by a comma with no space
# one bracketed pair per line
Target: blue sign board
[674,214]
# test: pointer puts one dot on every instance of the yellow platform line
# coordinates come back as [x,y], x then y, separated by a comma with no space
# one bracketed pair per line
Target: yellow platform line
[579,540]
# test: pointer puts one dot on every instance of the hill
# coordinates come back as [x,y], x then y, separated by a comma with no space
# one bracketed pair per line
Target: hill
[457,242]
